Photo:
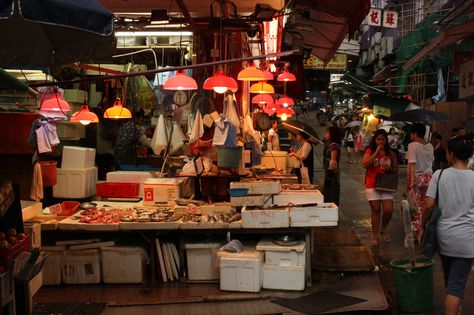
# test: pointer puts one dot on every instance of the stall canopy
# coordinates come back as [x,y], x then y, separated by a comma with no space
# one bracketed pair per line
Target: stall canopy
[383,105]
[322,25]
[43,33]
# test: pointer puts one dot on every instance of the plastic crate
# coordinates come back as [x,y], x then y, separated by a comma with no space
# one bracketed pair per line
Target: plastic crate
[69,208]
[118,190]
[8,254]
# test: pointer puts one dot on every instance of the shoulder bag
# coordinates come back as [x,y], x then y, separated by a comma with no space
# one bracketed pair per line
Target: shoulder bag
[430,239]
[386,182]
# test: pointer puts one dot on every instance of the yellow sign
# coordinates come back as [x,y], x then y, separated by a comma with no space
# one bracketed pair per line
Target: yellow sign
[338,62]
[381,111]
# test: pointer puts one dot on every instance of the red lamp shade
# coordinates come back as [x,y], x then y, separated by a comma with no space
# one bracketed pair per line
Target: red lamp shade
[220,83]
[180,82]
[262,99]
[55,103]
[251,73]
[117,111]
[262,88]
[284,113]
[268,75]
[286,76]
[84,116]
[285,101]
[271,109]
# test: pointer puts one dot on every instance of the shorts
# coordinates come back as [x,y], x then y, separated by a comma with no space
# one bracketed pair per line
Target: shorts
[373,194]
[456,272]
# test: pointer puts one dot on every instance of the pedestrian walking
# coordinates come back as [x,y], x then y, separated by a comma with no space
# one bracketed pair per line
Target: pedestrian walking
[378,159]
[331,159]
[455,226]
[419,172]
[440,161]
[350,145]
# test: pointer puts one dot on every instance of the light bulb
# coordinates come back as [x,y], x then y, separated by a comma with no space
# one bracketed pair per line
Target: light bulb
[220,89]
[283,117]
[85,122]
[285,104]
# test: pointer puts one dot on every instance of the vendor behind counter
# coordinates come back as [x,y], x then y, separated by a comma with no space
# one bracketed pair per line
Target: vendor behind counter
[130,137]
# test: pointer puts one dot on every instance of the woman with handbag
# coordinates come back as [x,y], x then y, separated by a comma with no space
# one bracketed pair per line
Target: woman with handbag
[419,172]
[378,161]
[331,158]
[305,156]
[453,193]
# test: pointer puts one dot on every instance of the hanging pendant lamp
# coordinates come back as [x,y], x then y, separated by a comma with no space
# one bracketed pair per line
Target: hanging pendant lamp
[286,76]
[220,83]
[251,73]
[180,82]
[285,101]
[268,75]
[117,111]
[262,99]
[271,109]
[284,113]
[85,116]
[54,103]
[262,88]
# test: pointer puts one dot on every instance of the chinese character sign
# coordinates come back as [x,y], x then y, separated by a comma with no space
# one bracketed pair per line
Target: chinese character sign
[374,17]
[390,19]
[466,79]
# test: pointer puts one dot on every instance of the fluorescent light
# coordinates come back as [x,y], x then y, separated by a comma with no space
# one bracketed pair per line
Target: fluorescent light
[165,26]
[153,33]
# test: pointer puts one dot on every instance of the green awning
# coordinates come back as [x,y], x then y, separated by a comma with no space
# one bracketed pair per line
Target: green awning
[384,105]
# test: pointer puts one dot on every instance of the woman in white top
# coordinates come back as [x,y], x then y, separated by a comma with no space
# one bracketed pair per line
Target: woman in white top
[273,139]
[420,162]
[305,155]
[455,226]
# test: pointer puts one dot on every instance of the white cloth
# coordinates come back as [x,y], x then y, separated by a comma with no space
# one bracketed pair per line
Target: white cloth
[422,155]
[159,142]
[274,144]
[455,227]
[46,137]
[220,134]
[36,192]
[373,194]
[198,128]
[177,138]
[230,111]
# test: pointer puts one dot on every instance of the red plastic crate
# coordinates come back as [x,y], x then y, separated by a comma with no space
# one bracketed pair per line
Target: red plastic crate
[69,208]
[117,190]
[8,254]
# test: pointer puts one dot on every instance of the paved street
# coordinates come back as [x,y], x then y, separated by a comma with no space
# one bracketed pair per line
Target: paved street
[355,212]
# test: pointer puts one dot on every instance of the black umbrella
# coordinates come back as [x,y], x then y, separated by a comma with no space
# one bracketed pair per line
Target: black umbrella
[419,115]
[296,126]
[52,32]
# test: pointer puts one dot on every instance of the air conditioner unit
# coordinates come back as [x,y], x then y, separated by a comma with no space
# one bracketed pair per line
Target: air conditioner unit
[386,46]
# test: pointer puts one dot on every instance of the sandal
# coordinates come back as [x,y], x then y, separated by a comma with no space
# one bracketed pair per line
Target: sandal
[384,235]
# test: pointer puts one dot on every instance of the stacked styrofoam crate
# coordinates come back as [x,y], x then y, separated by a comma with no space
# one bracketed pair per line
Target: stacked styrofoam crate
[241,271]
[202,261]
[284,267]
[77,177]
[258,192]
[321,214]
[129,177]
[124,264]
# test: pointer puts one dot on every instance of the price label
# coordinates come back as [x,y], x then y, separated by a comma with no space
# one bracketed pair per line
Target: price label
[55,209]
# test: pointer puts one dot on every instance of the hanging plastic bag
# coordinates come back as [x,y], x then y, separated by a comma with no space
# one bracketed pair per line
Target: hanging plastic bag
[159,142]
[177,138]
[198,128]
[230,111]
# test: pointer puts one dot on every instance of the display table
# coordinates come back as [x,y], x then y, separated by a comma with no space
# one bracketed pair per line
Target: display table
[71,228]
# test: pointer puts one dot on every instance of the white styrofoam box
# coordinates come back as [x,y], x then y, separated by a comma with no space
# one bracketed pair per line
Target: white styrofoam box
[75,95]
[324,214]
[161,191]
[259,187]
[297,197]
[284,256]
[283,278]
[53,265]
[124,264]
[75,183]
[275,159]
[77,157]
[30,209]
[202,261]
[265,218]
[129,177]
[241,271]
[248,201]
[67,130]
[34,229]
[81,266]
